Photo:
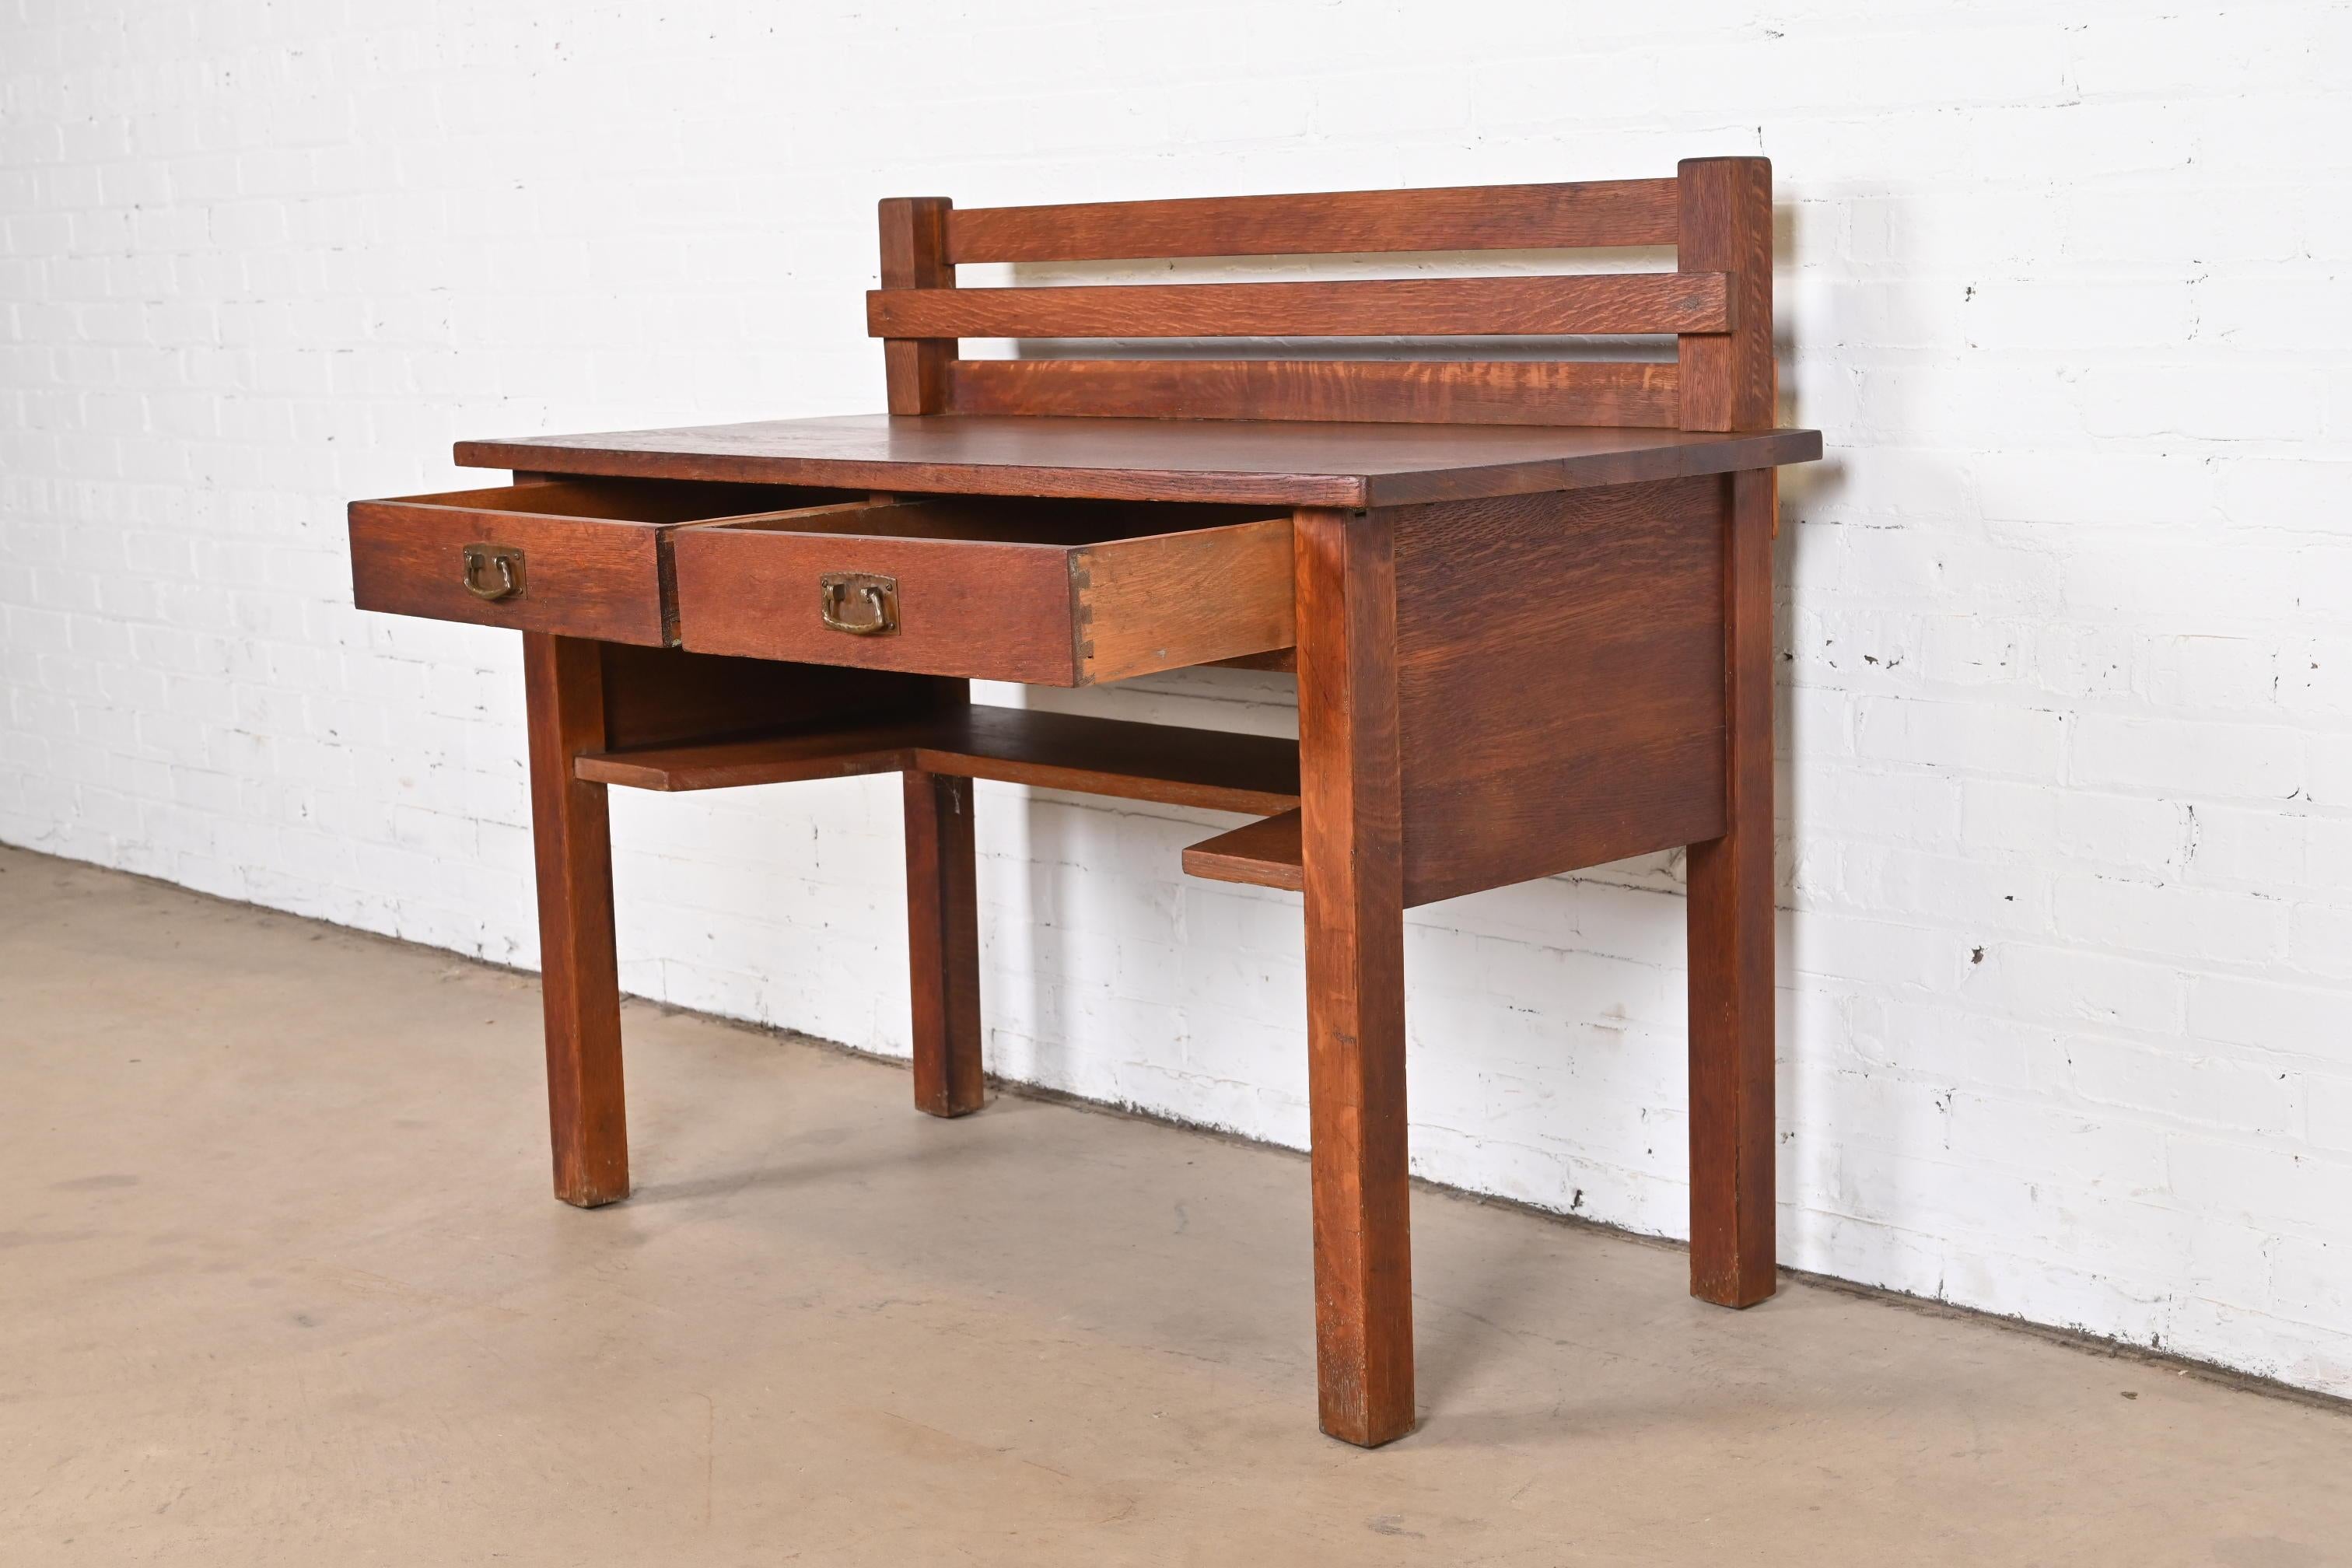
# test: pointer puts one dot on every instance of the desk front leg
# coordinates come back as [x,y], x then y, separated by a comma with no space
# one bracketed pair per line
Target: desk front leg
[1730,926]
[1354,865]
[580,984]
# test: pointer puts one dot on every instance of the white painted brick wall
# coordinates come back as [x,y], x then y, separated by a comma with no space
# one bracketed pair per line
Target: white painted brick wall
[2066,1007]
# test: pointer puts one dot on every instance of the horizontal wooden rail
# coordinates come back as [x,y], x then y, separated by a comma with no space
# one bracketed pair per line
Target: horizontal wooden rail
[1409,307]
[1171,765]
[1436,392]
[1339,223]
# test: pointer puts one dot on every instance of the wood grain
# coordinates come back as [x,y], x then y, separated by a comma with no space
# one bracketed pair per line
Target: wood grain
[1407,307]
[914,256]
[1281,463]
[592,552]
[1440,392]
[580,984]
[1171,765]
[656,697]
[1730,918]
[1475,218]
[1351,835]
[1728,377]
[944,943]
[992,610]
[1560,682]
[1031,592]
[1176,599]
[1264,854]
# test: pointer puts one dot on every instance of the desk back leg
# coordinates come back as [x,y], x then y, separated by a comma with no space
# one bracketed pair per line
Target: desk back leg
[944,943]
[1353,863]
[579,983]
[1730,924]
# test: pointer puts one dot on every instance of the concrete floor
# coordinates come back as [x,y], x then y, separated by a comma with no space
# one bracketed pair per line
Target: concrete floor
[281,1283]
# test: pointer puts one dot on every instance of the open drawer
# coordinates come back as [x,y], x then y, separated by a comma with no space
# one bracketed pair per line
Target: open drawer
[1050,593]
[583,557]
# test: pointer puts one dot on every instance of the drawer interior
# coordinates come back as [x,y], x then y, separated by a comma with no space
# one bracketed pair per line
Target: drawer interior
[658,501]
[1001,520]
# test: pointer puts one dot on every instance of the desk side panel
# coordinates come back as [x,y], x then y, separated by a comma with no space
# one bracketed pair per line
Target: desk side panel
[1559,683]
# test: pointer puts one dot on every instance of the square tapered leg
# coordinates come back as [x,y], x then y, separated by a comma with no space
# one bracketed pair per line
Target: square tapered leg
[943,944]
[578,976]
[1730,923]
[1352,863]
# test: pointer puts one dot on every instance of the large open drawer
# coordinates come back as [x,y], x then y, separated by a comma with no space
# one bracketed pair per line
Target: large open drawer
[1050,593]
[582,557]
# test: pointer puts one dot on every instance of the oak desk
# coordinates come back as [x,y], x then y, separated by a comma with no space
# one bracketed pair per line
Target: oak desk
[1529,602]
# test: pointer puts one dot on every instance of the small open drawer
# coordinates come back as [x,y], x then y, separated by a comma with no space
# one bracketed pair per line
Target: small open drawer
[582,557]
[1050,593]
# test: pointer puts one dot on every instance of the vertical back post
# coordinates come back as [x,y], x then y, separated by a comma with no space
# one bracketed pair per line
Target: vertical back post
[1728,378]
[915,256]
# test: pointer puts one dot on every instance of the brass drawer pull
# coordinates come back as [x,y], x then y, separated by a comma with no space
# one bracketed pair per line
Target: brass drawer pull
[836,590]
[493,571]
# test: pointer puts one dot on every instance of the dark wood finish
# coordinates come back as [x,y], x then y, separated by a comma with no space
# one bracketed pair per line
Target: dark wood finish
[1400,392]
[824,751]
[1170,600]
[914,256]
[1282,661]
[1162,762]
[1559,681]
[579,987]
[1530,618]
[1039,591]
[656,697]
[1366,308]
[591,550]
[1280,463]
[943,944]
[1471,217]
[1730,916]
[1727,377]
[1264,854]
[1352,832]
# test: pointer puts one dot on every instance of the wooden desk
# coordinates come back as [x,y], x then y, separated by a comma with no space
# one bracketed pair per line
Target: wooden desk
[1529,602]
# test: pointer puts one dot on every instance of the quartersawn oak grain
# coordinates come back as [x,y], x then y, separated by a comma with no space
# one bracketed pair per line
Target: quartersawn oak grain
[1264,854]
[1527,635]
[1469,217]
[1375,308]
[1166,763]
[580,986]
[1280,463]
[1352,839]
[944,943]
[1055,594]
[592,552]
[1400,392]
[1730,918]
[1606,739]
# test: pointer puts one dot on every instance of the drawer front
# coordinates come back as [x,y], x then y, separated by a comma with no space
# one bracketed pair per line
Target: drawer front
[988,609]
[580,576]
[979,608]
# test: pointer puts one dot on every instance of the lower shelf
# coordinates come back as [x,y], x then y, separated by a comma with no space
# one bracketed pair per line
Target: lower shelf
[1162,762]
[1264,854]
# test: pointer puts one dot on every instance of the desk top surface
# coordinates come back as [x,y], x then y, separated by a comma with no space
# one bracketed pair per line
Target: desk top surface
[1257,462]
